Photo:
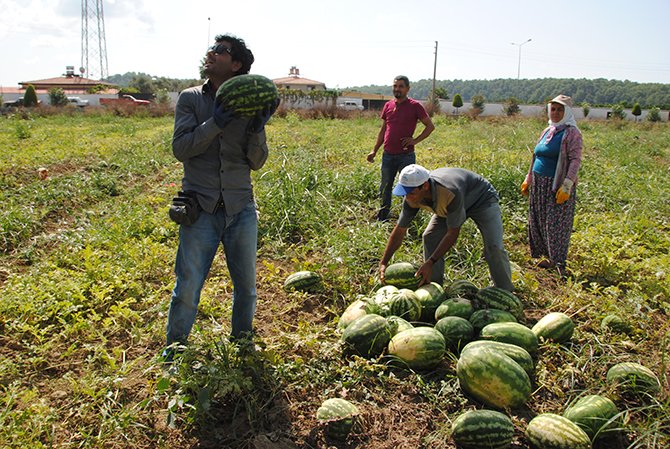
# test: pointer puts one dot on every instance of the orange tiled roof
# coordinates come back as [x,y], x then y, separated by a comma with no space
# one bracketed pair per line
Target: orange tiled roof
[66,81]
[297,80]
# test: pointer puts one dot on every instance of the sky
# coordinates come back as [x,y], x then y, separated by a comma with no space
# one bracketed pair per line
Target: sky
[348,43]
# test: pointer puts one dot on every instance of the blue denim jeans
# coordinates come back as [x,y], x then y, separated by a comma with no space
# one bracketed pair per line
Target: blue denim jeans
[489,222]
[392,164]
[198,244]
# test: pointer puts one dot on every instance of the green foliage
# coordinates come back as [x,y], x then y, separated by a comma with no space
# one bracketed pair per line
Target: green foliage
[458,101]
[57,97]
[30,97]
[96,89]
[654,115]
[586,108]
[312,96]
[618,112]
[478,103]
[441,92]
[637,110]
[511,107]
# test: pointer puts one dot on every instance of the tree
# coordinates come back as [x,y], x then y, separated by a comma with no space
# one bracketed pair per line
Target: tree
[617,112]
[143,83]
[57,97]
[441,92]
[511,107]
[478,104]
[458,102]
[586,108]
[637,111]
[30,98]
[654,115]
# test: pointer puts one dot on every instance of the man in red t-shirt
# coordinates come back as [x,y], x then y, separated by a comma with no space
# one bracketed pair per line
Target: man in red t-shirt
[400,117]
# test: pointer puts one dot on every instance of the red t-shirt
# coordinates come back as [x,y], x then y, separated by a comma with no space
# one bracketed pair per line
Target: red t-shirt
[401,119]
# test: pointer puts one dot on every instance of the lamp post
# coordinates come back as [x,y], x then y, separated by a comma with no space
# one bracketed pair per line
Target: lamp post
[518,70]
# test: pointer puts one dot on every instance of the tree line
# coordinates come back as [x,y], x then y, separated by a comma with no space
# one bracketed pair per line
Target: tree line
[596,92]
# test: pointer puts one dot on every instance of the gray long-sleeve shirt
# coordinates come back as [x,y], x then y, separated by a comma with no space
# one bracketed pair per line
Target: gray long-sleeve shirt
[217,162]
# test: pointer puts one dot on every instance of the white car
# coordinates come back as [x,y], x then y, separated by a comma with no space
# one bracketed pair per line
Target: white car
[76,101]
[350,106]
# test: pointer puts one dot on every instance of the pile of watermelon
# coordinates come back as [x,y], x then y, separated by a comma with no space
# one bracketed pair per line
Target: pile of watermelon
[414,327]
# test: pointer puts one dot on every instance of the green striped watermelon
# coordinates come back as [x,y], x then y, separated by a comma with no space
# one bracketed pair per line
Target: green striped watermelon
[457,332]
[401,275]
[398,324]
[551,431]
[430,296]
[338,415]
[516,353]
[632,377]
[368,335]
[455,306]
[498,298]
[555,326]
[482,429]
[305,281]
[615,323]
[247,94]
[481,318]
[512,333]
[593,413]
[419,348]
[493,378]
[462,288]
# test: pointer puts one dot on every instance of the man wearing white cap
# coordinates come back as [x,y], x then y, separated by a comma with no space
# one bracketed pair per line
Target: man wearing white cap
[452,195]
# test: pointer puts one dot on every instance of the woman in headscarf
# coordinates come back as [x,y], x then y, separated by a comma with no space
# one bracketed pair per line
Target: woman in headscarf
[550,185]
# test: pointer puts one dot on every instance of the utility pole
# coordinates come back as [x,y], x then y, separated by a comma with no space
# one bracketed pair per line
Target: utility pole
[518,70]
[434,73]
[93,42]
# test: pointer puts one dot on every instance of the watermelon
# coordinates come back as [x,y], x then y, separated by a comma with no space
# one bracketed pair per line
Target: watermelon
[615,323]
[419,348]
[632,377]
[404,304]
[512,333]
[381,298]
[247,94]
[481,318]
[482,429]
[338,415]
[401,275]
[463,288]
[593,413]
[304,281]
[457,332]
[551,431]
[516,353]
[555,326]
[455,306]
[493,378]
[430,296]
[367,335]
[498,298]
[398,324]
[355,310]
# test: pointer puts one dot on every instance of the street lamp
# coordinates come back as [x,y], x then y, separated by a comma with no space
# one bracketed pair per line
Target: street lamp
[518,70]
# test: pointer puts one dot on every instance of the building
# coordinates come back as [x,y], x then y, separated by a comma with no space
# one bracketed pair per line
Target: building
[296,82]
[70,82]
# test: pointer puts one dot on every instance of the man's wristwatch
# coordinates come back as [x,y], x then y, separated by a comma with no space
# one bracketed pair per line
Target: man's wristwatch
[432,259]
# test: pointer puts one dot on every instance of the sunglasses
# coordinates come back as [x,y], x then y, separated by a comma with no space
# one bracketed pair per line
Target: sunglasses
[219,49]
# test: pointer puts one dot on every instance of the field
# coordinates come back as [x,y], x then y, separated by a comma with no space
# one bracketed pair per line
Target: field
[86,271]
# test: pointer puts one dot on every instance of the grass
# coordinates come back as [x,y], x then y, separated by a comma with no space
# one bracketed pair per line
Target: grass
[86,260]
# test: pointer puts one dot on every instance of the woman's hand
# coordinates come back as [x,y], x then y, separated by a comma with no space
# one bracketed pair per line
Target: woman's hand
[563,193]
[524,188]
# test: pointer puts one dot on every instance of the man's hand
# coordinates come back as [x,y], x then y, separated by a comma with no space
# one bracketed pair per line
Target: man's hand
[524,188]
[371,155]
[222,116]
[563,193]
[407,142]
[258,122]
[425,272]
[382,273]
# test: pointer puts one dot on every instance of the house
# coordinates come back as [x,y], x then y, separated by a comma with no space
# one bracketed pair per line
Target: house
[295,81]
[70,82]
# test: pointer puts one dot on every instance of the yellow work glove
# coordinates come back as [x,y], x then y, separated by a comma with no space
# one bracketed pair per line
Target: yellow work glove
[524,188]
[563,193]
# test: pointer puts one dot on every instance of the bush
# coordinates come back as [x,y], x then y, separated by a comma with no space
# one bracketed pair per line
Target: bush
[586,108]
[458,102]
[511,107]
[654,115]
[637,110]
[30,98]
[617,112]
[57,97]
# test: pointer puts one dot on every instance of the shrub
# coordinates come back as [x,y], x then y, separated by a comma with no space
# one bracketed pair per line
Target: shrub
[30,98]
[617,112]
[458,102]
[511,107]
[586,108]
[637,111]
[57,97]
[654,115]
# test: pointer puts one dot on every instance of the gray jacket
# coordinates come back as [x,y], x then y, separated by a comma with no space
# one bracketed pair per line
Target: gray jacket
[217,162]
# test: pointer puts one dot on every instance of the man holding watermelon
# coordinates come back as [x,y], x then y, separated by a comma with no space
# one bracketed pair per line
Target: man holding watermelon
[452,195]
[400,117]
[218,148]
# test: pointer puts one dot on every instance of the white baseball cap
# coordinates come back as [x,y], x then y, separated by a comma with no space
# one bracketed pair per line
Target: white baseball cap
[410,178]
